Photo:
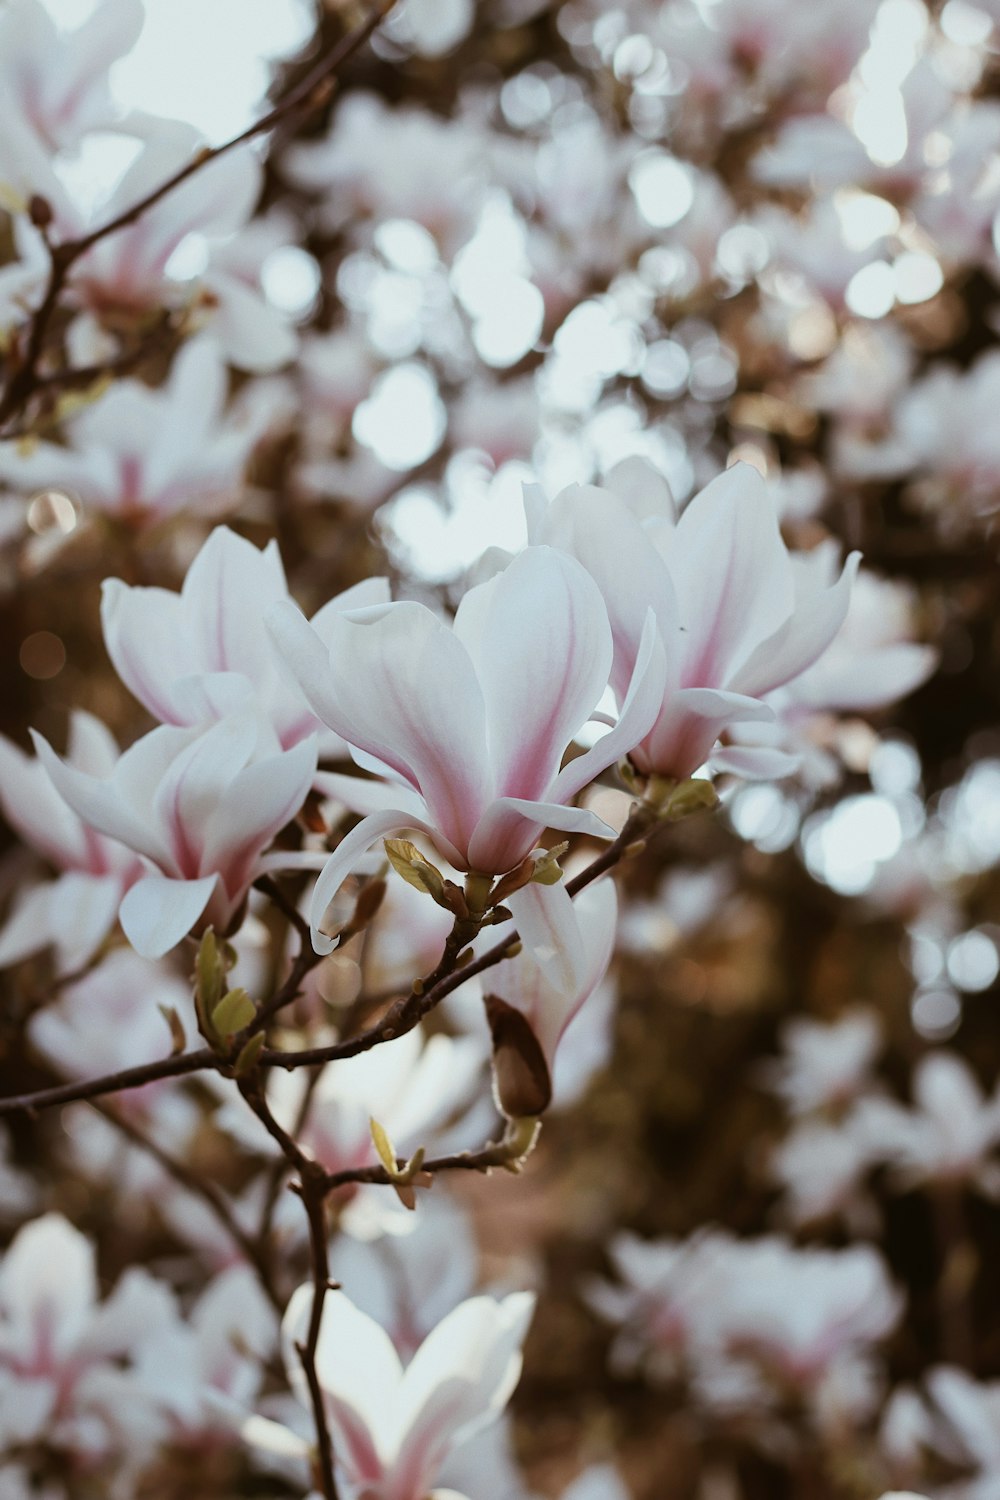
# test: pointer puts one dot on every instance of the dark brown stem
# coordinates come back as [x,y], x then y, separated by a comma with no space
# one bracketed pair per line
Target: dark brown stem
[311,1187]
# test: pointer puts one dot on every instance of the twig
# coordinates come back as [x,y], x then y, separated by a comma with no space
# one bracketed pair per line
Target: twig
[401,1017]
[312,1190]
[310,93]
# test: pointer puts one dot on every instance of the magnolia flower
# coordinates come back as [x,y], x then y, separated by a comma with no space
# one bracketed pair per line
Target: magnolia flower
[67,1362]
[534,997]
[200,654]
[203,1366]
[409,1280]
[821,1168]
[54,84]
[200,807]
[469,722]
[141,453]
[950,1135]
[394,1427]
[826,1064]
[735,618]
[74,913]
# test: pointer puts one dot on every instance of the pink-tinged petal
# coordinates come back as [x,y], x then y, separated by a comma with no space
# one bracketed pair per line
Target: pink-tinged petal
[539,638]
[48,1284]
[206,696]
[345,857]
[30,926]
[801,640]
[363,595]
[101,803]
[158,912]
[255,806]
[640,709]
[460,1378]
[84,909]
[399,685]
[732,573]
[189,791]
[143,633]
[253,333]
[511,826]
[548,928]
[684,734]
[755,762]
[866,680]
[189,417]
[227,588]
[91,746]
[360,1375]
[35,810]
[600,531]
[364,797]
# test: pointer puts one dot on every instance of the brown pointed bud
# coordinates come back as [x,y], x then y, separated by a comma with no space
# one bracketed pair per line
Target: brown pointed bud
[367,905]
[515,879]
[40,211]
[311,815]
[521,1079]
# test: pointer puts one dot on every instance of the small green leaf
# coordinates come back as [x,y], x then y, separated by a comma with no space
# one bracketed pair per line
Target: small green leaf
[383,1146]
[407,860]
[249,1055]
[233,1012]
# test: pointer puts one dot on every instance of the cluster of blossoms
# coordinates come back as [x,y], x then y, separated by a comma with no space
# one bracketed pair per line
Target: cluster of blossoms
[602,423]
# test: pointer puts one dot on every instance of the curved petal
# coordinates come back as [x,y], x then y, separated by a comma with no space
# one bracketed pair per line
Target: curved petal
[157,912]
[398,684]
[99,802]
[345,856]
[260,799]
[539,638]
[802,638]
[642,704]
[694,718]
[364,796]
[755,762]
[511,826]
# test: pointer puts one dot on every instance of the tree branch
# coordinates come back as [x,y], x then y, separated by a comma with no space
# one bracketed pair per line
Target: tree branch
[310,93]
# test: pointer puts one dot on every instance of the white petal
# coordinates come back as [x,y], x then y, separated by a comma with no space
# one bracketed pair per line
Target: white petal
[157,912]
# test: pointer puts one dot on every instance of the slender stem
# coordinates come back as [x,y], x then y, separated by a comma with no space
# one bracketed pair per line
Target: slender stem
[311,1187]
[401,1017]
[310,93]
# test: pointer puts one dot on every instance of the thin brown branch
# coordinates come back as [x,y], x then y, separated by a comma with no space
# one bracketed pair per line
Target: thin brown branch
[113,1083]
[312,92]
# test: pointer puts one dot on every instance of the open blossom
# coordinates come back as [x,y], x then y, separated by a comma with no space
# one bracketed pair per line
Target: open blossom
[54,85]
[393,1428]
[469,722]
[65,1357]
[951,1134]
[142,454]
[533,998]
[735,617]
[826,1064]
[200,807]
[200,654]
[202,1366]
[75,912]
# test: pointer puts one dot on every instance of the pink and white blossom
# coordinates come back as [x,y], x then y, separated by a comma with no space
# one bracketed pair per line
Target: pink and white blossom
[735,617]
[200,807]
[143,454]
[74,913]
[393,1427]
[469,722]
[194,656]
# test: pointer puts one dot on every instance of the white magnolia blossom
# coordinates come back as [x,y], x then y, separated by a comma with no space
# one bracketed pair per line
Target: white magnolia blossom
[200,807]
[67,1360]
[198,655]
[74,913]
[949,1136]
[825,1065]
[393,1427]
[142,454]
